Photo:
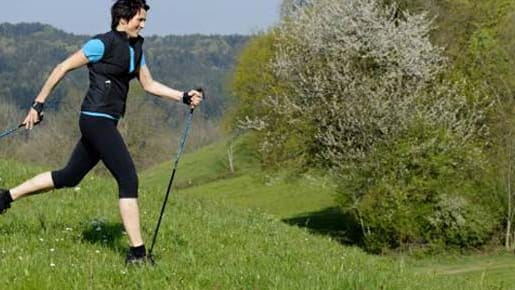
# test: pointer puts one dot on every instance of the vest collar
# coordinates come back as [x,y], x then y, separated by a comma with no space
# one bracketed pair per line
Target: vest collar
[124,36]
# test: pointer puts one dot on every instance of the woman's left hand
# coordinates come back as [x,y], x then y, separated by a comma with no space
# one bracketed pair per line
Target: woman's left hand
[196,98]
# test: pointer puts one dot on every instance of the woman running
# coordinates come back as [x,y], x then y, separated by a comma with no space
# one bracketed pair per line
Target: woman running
[113,59]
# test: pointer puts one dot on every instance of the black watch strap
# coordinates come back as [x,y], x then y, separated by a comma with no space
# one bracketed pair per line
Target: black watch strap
[38,106]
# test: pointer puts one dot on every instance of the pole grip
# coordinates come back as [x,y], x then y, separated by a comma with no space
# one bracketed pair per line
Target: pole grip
[200,90]
[40,119]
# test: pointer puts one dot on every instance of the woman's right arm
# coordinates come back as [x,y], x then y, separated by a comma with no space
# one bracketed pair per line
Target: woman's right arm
[75,61]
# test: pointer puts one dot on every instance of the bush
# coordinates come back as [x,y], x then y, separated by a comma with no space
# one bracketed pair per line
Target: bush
[252,85]
[421,188]
[367,99]
[458,221]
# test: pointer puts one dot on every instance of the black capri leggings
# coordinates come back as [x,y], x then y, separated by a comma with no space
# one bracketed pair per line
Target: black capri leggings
[100,140]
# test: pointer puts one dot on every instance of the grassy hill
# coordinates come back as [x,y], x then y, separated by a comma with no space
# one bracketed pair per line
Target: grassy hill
[205,174]
[306,202]
[210,238]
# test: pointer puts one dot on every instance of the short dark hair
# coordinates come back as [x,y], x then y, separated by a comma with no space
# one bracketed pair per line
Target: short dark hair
[126,9]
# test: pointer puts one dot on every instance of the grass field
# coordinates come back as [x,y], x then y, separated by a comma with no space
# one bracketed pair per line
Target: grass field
[308,202]
[219,233]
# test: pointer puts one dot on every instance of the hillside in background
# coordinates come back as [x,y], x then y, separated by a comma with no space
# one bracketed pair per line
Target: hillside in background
[28,52]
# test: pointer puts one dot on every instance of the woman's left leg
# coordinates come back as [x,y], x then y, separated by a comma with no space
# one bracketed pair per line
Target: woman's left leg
[119,162]
[104,136]
[38,184]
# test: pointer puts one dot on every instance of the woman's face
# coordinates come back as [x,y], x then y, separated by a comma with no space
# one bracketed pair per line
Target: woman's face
[135,24]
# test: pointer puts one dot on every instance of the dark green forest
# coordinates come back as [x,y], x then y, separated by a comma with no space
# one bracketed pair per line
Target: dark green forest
[29,51]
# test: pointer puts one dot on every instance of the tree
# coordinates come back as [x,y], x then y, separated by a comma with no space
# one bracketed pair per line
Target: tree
[365,97]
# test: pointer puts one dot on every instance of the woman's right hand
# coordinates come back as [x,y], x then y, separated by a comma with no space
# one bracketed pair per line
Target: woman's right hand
[31,119]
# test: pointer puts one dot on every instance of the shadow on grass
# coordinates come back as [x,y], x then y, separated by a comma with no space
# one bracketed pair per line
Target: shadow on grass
[331,222]
[107,234]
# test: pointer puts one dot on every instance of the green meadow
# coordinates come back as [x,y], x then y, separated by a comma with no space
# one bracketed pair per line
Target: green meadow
[243,230]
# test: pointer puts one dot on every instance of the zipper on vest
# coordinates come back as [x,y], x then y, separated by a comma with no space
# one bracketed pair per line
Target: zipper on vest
[107,91]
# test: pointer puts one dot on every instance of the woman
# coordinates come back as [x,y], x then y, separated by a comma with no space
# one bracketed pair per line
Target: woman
[113,59]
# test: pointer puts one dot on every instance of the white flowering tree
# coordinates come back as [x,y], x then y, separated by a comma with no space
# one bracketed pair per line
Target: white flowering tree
[356,71]
[361,76]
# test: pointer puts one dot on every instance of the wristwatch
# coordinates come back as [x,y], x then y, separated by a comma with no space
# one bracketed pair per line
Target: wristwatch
[38,106]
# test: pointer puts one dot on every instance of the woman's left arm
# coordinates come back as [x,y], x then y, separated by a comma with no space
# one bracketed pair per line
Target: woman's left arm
[158,89]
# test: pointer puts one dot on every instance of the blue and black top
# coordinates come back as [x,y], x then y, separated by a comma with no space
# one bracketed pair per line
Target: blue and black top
[114,60]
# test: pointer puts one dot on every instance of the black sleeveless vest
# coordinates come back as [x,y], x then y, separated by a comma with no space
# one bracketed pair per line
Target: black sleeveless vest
[109,78]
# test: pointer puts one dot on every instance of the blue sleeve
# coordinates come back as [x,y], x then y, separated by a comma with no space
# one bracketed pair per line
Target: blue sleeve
[143,61]
[94,50]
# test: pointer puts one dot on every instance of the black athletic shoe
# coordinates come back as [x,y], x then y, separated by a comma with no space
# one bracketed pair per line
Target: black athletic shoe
[5,200]
[131,259]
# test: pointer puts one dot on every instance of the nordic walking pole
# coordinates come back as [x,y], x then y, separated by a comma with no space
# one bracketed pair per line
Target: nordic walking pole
[11,131]
[185,133]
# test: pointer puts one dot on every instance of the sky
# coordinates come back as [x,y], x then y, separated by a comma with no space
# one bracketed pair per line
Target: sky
[165,16]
